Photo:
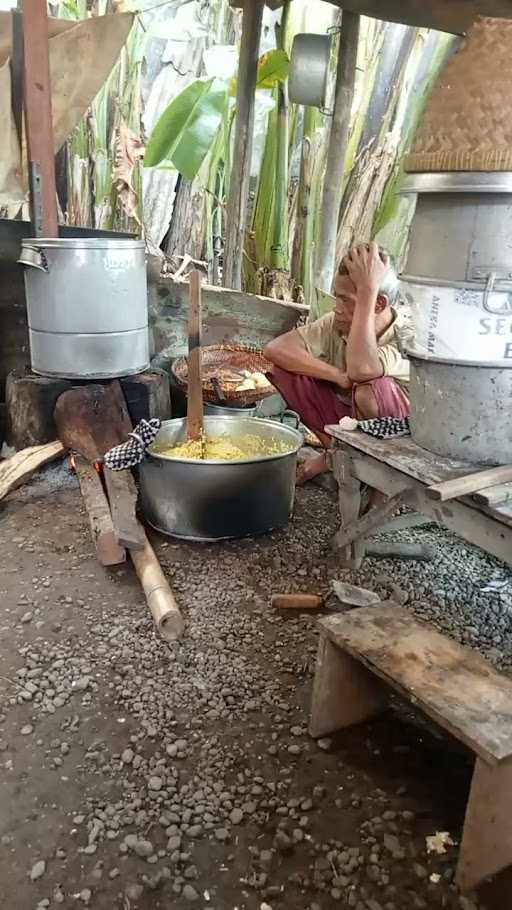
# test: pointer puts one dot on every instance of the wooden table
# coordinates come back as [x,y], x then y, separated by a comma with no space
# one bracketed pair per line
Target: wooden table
[403,471]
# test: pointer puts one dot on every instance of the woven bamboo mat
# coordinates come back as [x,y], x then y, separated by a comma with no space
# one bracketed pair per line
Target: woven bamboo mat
[467,123]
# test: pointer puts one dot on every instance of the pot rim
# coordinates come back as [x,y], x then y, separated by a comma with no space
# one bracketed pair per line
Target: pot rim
[84,243]
[293,434]
[436,358]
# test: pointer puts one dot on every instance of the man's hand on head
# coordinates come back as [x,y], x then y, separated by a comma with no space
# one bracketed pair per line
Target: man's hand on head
[366,268]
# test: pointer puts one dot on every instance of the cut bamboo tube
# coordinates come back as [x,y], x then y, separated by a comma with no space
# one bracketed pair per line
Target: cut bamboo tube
[160,599]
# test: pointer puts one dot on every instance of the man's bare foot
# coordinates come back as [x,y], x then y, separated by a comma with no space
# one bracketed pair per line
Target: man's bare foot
[311,468]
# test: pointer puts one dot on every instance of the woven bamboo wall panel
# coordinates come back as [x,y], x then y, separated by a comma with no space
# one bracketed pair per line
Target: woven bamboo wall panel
[467,123]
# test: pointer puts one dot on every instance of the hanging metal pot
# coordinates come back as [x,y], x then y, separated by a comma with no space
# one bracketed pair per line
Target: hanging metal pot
[309,70]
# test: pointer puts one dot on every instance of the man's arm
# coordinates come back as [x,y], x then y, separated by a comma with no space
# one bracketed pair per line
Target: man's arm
[290,353]
[366,270]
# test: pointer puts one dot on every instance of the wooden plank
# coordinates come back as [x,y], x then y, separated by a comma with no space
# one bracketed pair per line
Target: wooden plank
[17,469]
[344,692]
[108,550]
[122,495]
[494,496]
[359,529]
[486,846]
[404,455]
[194,379]
[38,114]
[453,685]
[236,208]
[470,483]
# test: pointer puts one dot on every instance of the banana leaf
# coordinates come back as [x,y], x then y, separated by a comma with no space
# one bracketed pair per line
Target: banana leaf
[188,127]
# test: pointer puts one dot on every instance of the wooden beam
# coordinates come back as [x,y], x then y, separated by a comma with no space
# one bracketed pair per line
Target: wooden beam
[470,483]
[38,119]
[17,67]
[122,495]
[104,537]
[15,470]
[236,210]
[371,521]
[336,153]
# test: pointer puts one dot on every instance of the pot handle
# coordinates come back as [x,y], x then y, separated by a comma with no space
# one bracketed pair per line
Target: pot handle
[33,257]
[496,311]
[292,414]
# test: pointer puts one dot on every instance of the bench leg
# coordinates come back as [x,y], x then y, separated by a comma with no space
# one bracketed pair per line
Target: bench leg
[344,692]
[486,846]
[349,498]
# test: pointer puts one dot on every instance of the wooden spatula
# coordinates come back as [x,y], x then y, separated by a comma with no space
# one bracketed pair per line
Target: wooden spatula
[195,428]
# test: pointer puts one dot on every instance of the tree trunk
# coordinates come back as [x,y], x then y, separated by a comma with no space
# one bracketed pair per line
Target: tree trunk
[338,139]
[236,211]
[186,231]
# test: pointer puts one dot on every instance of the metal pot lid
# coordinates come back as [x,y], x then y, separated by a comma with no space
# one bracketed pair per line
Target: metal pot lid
[457,182]
[84,243]
[412,354]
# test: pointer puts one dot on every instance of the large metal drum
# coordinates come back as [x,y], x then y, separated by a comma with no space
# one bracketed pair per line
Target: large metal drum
[462,410]
[215,500]
[87,307]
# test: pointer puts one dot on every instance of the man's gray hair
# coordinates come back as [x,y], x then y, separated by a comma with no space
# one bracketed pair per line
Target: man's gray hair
[390,285]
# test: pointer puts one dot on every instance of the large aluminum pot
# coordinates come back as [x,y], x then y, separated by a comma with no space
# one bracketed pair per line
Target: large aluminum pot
[462,409]
[87,307]
[224,410]
[215,500]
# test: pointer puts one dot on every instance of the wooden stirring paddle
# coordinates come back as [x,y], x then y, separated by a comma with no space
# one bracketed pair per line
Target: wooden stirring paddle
[195,428]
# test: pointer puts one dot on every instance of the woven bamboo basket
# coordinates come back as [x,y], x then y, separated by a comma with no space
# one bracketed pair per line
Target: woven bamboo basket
[467,123]
[225,363]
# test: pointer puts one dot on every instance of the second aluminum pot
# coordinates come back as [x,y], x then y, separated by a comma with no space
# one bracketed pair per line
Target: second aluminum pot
[462,409]
[216,500]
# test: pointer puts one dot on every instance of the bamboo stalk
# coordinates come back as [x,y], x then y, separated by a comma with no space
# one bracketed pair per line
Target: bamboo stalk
[160,599]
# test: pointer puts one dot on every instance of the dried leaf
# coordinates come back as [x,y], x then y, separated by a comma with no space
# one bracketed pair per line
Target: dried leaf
[129,149]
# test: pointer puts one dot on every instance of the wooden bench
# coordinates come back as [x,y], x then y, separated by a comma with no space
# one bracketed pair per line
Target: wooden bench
[405,472]
[364,648]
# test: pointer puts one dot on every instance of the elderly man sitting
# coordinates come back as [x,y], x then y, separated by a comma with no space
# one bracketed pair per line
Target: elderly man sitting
[348,363]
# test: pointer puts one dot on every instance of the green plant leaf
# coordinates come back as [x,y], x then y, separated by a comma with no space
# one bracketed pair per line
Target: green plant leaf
[272,68]
[187,129]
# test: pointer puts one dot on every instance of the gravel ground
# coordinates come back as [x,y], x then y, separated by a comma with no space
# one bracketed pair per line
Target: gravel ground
[141,775]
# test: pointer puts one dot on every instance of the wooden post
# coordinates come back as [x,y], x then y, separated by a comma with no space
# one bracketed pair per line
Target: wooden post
[38,119]
[236,209]
[195,384]
[336,153]
[17,72]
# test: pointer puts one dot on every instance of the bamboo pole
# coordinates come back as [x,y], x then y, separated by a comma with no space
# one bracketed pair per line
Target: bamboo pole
[160,599]
[338,141]
[236,209]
